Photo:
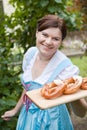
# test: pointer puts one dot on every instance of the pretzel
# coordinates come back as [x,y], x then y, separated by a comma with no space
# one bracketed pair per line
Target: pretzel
[84,83]
[73,84]
[59,87]
[53,90]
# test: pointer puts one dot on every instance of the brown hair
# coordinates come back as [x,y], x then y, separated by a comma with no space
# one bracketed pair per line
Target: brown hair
[52,21]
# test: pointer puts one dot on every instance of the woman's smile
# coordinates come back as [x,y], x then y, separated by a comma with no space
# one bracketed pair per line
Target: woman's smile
[46,46]
[48,41]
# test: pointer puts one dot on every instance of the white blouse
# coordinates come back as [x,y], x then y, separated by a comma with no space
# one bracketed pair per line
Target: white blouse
[53,63]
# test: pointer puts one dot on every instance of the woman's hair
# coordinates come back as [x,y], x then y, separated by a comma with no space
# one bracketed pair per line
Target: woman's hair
[51,20]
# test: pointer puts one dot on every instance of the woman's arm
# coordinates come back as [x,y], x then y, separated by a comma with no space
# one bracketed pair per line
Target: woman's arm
[79,107]
[8,114]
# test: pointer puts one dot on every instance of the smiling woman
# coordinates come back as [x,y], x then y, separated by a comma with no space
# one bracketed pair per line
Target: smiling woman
[43,64]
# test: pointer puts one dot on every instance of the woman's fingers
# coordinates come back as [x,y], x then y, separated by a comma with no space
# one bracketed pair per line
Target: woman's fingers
[7,115]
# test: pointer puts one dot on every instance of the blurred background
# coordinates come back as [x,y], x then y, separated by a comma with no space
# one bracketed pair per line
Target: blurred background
[18,20]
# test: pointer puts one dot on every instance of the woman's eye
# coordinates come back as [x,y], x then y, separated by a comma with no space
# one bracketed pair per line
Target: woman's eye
[56,39]
[45,35]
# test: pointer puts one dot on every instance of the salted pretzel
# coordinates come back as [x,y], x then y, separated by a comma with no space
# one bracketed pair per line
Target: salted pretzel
[84,83]
[53,90]
[59,87]
[73,84]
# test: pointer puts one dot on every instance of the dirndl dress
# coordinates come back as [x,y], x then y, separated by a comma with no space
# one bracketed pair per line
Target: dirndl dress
[33,118]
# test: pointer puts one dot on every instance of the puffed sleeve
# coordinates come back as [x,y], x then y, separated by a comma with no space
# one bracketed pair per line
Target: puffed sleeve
[69,72]
[27,57]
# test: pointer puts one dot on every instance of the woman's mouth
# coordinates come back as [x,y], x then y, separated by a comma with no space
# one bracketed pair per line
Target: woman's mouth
[47,46]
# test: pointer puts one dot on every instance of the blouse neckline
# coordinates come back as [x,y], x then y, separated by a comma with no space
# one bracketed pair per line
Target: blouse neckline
[54,61]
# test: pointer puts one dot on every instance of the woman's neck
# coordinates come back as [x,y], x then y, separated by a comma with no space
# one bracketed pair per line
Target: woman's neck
[39,66]
[42,58]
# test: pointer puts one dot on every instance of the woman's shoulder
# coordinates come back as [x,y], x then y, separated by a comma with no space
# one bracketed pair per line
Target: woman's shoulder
[70,70]
[30,50]
[59,52]
[60,56]
[28,56]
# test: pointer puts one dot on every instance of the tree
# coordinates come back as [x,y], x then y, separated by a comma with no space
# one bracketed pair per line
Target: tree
[23,20]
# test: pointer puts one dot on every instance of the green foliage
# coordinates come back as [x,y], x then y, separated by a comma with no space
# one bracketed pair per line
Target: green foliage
[23,21]
[17,33]
[82,64]
[10,89]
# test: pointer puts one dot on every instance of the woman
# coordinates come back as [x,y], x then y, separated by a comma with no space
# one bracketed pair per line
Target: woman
[43,64]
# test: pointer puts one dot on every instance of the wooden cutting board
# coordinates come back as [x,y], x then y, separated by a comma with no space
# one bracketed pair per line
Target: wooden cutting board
[43,103]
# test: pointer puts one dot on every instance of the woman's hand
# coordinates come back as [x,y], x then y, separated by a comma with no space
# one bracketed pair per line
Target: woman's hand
[9,114]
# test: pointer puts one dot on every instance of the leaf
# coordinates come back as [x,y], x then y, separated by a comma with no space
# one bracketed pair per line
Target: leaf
[2,102]
[5,91]
[11,102]
[52,9]
[58,1]
[44,3]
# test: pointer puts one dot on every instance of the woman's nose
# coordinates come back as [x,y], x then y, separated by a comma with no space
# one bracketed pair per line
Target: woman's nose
[48,40]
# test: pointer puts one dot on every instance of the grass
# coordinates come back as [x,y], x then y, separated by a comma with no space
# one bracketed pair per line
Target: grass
[82,64]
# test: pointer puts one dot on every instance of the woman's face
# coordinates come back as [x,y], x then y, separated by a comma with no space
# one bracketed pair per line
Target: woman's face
[48,41]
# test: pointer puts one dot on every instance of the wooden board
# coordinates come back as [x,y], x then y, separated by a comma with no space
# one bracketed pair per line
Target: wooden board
[43,103]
